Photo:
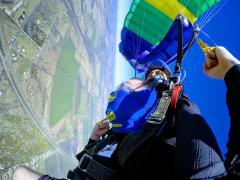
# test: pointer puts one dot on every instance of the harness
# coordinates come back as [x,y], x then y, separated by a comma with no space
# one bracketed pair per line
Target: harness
[154,130]
[90,169]
[155,125]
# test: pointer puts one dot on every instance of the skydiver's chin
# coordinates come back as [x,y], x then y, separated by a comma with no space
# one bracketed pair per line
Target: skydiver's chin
[160,88]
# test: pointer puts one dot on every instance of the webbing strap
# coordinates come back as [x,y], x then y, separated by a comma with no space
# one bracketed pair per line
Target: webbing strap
[160,112]
[95,169]
[98,171]
[180,44]
[168,100]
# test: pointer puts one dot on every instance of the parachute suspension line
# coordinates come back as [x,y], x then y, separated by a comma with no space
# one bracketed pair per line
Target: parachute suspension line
[187,46]
[136,48]
[128,47]
[130,50]
[185,4]
[209,14]
[211,39]
[143,21]
[213,12]
[198,13]
[124,37]
[134,51]
[203,17]
[220,6]
[184,75]
[206,16]
[194,36]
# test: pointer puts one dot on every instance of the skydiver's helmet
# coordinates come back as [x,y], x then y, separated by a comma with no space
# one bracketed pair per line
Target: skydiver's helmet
[158,74]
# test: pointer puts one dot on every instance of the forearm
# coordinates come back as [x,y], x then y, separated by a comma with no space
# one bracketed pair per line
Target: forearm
[90,141]
[232,80]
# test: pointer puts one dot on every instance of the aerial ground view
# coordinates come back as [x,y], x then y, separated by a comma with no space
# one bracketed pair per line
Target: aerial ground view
[138,64]
[53,82]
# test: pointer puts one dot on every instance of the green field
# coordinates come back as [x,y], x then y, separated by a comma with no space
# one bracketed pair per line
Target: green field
[20,142]
[63,86]
[25,65]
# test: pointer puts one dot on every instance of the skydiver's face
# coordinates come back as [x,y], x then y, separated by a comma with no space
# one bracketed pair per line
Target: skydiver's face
[159,80]
[156,72]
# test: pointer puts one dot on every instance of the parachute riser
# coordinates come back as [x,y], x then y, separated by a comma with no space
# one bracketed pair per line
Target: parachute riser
[175,78]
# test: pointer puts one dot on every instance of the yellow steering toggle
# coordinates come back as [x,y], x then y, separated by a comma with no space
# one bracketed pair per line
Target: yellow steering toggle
[205,47]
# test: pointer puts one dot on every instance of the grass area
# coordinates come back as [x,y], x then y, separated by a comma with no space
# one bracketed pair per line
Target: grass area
[25,65]
[63,86]
[31,5]
[51,166]
[20,142]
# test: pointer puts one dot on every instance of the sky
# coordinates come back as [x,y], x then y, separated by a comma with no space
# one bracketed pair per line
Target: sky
[123,70]
[209,94]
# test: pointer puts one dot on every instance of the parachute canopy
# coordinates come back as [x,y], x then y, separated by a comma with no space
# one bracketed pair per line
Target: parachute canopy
[150,29]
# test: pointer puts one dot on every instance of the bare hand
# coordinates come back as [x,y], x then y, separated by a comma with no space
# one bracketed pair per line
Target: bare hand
[99,130]
[219,63]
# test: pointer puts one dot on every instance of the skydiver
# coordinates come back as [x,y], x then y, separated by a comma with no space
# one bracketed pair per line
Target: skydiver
[105,149]
[186,150]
